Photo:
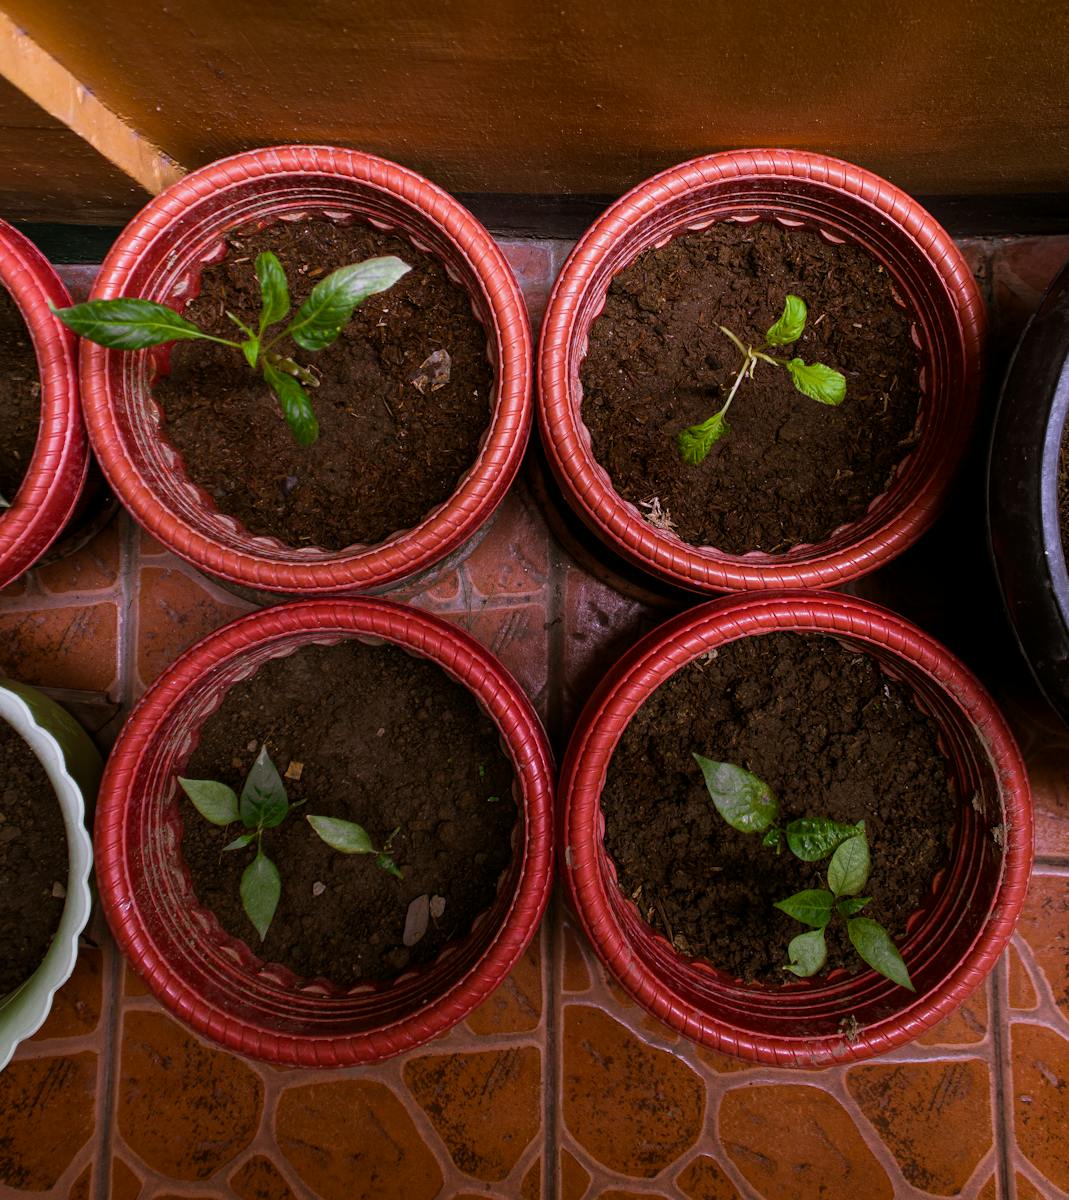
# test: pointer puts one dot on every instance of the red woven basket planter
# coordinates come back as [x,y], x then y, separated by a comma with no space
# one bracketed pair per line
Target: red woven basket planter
[213,981]
[159,256]
[57,471]
[952,942]
[843,203]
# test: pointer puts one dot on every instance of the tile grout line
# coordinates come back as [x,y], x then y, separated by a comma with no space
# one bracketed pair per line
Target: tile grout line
[1004,1139]
[128,563]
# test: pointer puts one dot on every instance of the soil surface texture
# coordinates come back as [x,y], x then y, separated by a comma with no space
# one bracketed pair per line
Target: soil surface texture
[832,736]
[20,398]
[386,740]
[33,861]
[790,470]
[388,452]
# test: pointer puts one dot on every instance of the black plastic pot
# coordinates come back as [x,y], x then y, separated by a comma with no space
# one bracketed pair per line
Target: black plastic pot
[1023,522]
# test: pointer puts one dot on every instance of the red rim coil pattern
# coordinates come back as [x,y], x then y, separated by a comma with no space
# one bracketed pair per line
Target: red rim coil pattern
[154,258]
[843,202]
[57,471]
[951,944]
[214,982]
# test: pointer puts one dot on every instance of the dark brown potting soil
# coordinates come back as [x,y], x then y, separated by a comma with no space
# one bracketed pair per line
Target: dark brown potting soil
[790,470]
[833,737]
[20,398]
[387,453]
[33,861]
[388,741]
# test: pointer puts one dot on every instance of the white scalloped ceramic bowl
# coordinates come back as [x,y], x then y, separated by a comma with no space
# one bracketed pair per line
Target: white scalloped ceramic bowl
[73,766]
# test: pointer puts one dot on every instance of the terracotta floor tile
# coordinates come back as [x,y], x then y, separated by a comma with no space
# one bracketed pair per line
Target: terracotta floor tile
[76,1006]
[633,1108]
[531,1188]
[1040,1087]
[125,1183]
[81,1189]
[174,611]
[513,558]
[67,647]
[517,635]
[705,1180]
[905,1101]
[532,262]
[1023,268]
[260,1179]
[574,1179]
[485,1107]
[185,1109]
[1022,991]
[1027,1190]
[353,1139]
[516,1006]
[49,1114]
[1044,928]
[965,1026]
[93,568]
[791,1140]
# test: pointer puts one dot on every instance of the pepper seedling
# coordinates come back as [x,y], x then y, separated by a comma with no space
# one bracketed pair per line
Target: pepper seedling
[131,324]
[749,805]
[263,804]
[814,380]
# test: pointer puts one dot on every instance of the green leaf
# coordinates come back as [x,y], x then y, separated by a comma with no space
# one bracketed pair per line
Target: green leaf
[274,291]
[127,324]
[386,863]
[873,943]
[848,871]
[696,442]
[818,382]
[743,800]
[263,798]
[814,838]
[296,407]
[251,350]
[346,836]
[850,905]
[808,953]
[261,887]
[328,308]
[239,843]
[791,324]
[214,801]
[773,838]
[811,907]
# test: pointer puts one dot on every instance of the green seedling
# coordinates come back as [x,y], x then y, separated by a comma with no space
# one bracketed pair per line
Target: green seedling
[749,805]
[263,804]
[130,324]
[814,380]
[4,503]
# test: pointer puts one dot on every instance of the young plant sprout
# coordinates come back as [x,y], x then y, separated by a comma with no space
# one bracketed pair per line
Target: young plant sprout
[814,380]
[129,324]
[748,804]
[263,804]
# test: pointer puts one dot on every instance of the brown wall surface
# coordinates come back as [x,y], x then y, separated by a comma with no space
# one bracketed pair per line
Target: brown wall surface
[965,96]
[49,173]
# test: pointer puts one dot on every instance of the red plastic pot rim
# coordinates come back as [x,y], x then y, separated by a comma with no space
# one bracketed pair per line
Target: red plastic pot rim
[57,471]
[482,487]
[627,686]
[652,203]
[462,658]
